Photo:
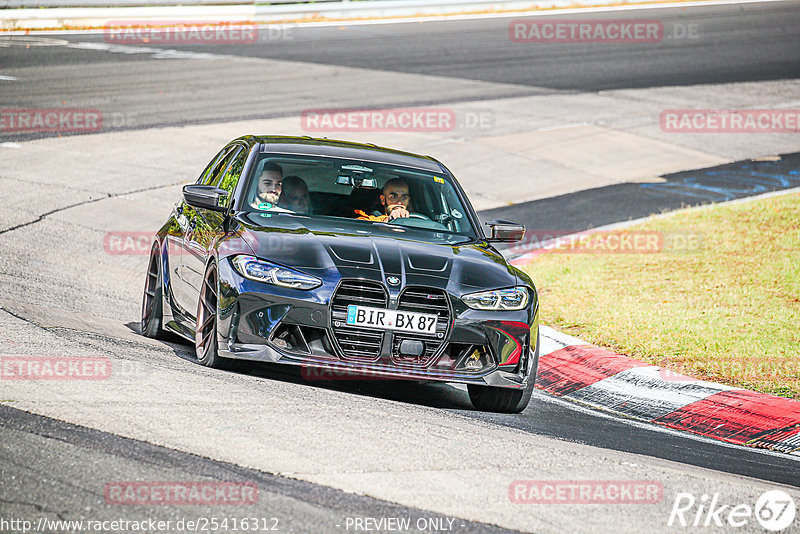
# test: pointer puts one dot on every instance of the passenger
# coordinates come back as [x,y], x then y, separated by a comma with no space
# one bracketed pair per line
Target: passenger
[294,195]
[269,187]
[395,200]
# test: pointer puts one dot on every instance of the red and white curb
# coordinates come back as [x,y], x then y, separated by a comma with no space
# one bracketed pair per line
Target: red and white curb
[574,369]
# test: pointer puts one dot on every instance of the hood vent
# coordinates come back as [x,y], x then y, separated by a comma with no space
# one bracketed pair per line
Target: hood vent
[421,262]
[346,253]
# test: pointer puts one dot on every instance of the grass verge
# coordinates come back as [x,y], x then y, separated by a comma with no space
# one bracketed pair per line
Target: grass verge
[720,300]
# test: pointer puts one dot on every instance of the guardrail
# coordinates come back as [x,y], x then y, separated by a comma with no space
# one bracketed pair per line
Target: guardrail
[38,4]
[92,17]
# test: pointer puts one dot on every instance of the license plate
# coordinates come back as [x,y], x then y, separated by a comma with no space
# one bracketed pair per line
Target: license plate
[419,323]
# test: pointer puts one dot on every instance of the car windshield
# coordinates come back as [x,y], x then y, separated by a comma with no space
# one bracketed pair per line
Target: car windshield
[323,187]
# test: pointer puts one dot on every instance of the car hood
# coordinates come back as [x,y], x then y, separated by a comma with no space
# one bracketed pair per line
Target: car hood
[354,249]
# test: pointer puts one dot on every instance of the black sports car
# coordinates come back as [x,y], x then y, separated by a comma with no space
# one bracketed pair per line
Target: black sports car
[346,257]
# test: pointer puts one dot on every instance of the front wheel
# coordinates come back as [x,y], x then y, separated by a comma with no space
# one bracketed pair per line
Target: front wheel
[152,315]
[205,337]
[504,400]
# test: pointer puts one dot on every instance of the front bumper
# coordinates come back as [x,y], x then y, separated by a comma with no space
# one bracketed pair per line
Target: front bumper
[267,323]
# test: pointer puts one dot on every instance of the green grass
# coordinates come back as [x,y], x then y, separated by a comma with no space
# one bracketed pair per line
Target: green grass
[727,311]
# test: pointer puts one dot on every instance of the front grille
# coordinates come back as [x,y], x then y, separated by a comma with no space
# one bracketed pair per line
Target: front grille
[423,300]
[357,343]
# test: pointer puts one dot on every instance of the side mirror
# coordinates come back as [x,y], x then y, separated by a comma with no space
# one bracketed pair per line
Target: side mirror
[204,196]
[505,231]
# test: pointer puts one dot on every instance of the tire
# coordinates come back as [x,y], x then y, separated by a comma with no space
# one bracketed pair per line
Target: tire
[504,400]
[152,301]
[205,337]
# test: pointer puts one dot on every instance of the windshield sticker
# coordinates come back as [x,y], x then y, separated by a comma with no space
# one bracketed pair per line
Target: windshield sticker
[455,213]
[438,180]
[265,206]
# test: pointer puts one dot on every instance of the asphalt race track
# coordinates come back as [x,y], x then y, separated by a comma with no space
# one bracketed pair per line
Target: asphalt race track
[611,204]
[306,507]
[739,43]
[326,452]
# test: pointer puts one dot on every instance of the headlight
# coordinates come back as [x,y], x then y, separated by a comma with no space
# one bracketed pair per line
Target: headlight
[262,271]
[499,299]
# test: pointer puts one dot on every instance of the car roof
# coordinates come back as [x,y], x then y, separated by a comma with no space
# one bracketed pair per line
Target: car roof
[343,149]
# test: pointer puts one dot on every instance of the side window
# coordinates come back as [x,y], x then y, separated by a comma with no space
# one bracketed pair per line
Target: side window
[231,177]
[452,218]
[211,166]
[212,172]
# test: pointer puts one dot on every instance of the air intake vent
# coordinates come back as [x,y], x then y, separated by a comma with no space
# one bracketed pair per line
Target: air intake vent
[423,300]
[356,343]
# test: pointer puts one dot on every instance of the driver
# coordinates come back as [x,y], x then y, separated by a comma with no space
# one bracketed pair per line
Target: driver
[395,200]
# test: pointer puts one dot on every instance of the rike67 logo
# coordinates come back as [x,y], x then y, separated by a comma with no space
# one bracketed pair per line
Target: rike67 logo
[774,510]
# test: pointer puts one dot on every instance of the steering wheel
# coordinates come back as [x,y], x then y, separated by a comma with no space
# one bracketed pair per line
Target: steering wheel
[412,216]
